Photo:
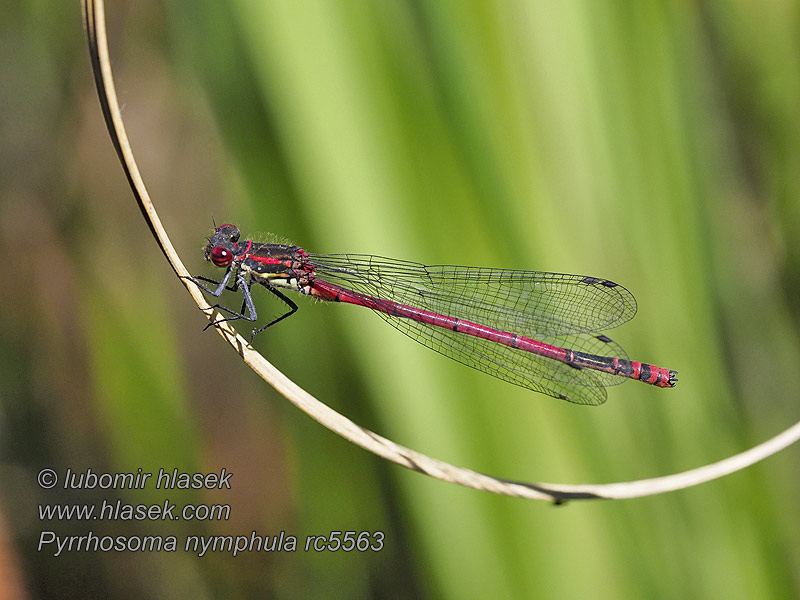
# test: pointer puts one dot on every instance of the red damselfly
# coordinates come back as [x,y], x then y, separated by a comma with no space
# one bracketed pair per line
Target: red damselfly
[537,330]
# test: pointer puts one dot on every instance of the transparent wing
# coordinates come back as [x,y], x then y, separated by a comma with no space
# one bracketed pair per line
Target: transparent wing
[529,303]
[537,373]
[557,309]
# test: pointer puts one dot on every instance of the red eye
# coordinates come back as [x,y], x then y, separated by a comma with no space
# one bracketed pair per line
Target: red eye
[221,257]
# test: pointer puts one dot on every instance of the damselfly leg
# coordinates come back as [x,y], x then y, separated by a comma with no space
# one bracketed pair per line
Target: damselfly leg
[247,304]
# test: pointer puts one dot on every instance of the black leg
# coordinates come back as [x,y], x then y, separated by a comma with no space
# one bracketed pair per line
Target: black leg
[236,316]
[251,315]
[292,309]
[248,309]
[230,288]
[217,292]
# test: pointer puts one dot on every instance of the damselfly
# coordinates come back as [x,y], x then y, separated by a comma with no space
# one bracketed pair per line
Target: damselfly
[541,331]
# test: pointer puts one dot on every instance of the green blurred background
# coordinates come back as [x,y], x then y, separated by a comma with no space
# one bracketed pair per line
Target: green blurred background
[652,143]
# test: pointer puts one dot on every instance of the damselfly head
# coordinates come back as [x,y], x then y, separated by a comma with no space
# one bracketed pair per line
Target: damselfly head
[221,248]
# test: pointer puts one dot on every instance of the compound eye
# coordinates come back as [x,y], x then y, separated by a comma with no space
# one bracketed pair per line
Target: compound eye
[221,257]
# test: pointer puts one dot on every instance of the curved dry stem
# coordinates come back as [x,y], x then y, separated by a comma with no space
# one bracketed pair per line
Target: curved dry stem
[94,17]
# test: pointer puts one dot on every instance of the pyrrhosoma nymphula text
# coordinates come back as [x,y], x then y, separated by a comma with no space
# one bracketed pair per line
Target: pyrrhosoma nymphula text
[538,330]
